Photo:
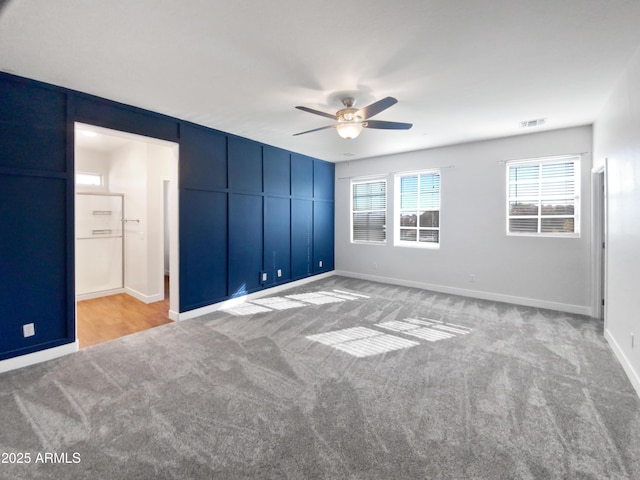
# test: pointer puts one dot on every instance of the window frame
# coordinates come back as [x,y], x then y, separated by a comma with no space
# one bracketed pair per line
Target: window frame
[89,174]
[397,214]
[576,159]
[365,180]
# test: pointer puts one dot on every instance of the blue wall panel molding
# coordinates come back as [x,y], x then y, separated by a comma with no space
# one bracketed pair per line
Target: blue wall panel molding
[277,240]
[203,158]
[245,208]
[323,184]
[33,255]
[323,236]
[276,171]
[107,114]
[34,209]
[301,238]
[32,127]
[301,176]
[245,165]
[245,244]
[203,248]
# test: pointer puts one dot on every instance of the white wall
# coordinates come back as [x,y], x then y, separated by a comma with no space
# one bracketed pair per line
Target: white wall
[128,175]
[160,160]
[139,170]
[617,139]
[90,161]
[547,272]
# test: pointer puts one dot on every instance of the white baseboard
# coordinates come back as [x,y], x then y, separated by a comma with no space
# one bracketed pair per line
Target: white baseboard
[634,378]
[142,297]
[197,312]
[103,293]
[129,291]
[38,357]
[496,297]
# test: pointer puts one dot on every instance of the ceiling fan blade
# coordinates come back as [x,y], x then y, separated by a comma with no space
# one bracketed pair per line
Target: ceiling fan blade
[318,112]
[314,130]
[388,125]
[376,107]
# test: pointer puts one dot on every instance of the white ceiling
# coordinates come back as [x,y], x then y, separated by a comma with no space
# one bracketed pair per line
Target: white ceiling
[462,70]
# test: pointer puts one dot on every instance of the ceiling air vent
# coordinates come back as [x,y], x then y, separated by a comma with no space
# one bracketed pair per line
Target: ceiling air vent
[532,123]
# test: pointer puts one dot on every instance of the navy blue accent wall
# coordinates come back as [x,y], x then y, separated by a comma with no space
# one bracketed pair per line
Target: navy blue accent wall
[245,165]
[276,171]
[301,176]
[203,158]
[247,211]
[323,184]
[269,198]
[97,111]
[33,259]
[323,227]
[203,248]
[301,238]
[245,243]
[33,132]
[35,244]
[277,240]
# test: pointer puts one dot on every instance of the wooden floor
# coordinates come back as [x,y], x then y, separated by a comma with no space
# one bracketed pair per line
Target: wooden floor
[106,318]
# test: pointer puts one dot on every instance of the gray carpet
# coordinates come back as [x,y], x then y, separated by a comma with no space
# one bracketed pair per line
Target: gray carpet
[469,389]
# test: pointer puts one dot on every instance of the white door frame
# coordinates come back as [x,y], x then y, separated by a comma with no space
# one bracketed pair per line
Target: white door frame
[174,243]
[599,241]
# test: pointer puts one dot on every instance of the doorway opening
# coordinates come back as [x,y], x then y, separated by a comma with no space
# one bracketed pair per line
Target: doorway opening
[599,241]
[126,233]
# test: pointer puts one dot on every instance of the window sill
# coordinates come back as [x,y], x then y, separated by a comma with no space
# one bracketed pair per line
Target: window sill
[544,235]
[375,244]
[419,246]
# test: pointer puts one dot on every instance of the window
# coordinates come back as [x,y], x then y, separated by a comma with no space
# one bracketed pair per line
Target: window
[418,217]
[369,211]
[89,179]
[543,197]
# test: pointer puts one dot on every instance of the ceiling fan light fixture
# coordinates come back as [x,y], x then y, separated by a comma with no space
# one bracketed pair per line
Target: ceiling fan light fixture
[350,121]
[349,130]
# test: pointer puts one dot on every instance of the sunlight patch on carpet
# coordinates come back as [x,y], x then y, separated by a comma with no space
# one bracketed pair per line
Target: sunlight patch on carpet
[375,345]
[352,294]
[426,329]
[269,304]
[339,336]
[278,303]
[247,309]
[362,342]
[316,298]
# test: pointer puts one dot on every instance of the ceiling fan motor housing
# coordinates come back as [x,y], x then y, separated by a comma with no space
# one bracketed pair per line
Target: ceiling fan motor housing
[349,114]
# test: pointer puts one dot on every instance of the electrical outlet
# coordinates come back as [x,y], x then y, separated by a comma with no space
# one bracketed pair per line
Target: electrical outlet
[264,276]
[472,278]
[279,273]
[29,330]
[320,263]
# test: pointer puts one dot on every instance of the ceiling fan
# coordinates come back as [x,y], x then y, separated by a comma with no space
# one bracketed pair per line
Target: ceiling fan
[351,120]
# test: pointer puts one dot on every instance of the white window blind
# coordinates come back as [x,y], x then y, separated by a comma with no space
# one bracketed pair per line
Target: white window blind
[418,221]
[543,197]
[369,211]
